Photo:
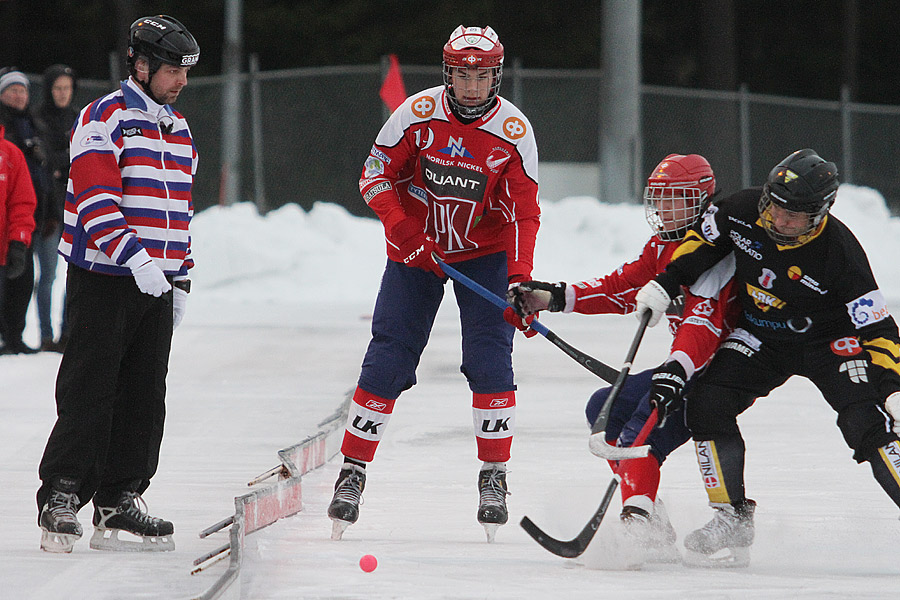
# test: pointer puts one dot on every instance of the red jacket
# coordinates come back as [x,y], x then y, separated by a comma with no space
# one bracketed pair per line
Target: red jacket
[710,308]
[17,199]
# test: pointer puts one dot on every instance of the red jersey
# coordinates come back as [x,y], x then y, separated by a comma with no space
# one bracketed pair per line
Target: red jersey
[474,186]
[709,312]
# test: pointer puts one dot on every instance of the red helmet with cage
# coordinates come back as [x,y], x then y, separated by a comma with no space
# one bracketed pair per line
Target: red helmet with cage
[473,48]
[677,193]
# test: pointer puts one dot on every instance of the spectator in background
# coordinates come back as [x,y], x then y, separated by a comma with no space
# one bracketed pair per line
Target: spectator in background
[17,203]
[58,116]
[23,130]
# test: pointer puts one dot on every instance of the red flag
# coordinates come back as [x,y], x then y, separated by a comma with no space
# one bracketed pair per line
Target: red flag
[393,92]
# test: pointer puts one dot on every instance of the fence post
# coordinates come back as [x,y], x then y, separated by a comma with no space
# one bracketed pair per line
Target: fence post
[230,176]
[259,187]
[846,135]
[518,97]
[744,108]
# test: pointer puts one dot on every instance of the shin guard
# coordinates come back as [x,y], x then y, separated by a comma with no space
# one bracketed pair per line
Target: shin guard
[886,468]
[494,417]
[722,468]
[368,417]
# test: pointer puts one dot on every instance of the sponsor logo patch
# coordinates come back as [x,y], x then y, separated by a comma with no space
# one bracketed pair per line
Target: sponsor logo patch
[764,300]
[496,159]
[745,337]
[867,309]
[708,226]
[856,369]
[423,107]
[455,148]
[95,139]
[707,464]
[514,128]
[375,405]
[375,190]
[846,346]
[746,245]
[766,279]
[373,167]
[703,309]
[380,155]
[132,131]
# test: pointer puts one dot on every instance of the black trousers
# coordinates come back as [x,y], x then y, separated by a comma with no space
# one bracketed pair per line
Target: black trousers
[744,369]
[110,390]
[14,300]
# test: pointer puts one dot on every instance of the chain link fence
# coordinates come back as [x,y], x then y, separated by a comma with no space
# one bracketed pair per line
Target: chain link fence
[319,123]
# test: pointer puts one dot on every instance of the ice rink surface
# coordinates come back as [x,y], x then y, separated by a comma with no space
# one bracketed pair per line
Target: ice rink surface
[275,332]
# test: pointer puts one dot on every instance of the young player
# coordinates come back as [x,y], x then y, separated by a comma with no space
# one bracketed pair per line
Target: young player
[810,307]
[677,191]
[453,171]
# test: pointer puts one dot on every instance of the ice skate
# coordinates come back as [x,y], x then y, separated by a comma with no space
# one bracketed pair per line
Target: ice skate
[60,528]
[725,541]
[651,531]
[129,515]
[492,490]
[344,507]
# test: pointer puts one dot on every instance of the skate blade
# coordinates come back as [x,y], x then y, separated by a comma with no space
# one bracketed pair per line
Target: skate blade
[58,543]
[490,531]
[729,558]
[108,540]
[338,527]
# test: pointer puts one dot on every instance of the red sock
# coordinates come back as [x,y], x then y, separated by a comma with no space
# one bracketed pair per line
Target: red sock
[640,477]
[368,417]
[495,421]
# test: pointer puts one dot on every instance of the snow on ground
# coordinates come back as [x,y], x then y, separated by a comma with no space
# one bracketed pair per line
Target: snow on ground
[275,332]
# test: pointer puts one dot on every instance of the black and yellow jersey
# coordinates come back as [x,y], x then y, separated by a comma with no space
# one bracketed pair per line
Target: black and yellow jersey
[823,288]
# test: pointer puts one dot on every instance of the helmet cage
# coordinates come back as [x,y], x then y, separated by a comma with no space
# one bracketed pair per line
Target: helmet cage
[673,209]
[472,48]
[815,212]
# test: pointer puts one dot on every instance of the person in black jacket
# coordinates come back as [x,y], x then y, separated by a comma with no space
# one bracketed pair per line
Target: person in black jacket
[26,132]
[57,115]
[810,307]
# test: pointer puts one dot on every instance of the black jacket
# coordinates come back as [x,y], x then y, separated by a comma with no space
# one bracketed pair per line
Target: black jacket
[57,123]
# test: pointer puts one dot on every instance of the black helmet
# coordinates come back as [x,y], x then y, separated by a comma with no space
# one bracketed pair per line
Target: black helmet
[161,39]
[803,182]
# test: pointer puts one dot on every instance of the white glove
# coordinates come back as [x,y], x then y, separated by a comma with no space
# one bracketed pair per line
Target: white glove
[654,298]
[149,278]
[892,405]
[179,303]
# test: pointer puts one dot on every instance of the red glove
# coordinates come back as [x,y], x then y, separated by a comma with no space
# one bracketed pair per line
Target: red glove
[416,247]
[521,323]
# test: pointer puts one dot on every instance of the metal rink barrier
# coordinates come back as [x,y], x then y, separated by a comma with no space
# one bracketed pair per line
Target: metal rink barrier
[264,506]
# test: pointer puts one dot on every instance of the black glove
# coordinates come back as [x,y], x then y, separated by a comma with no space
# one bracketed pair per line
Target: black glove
[667,390]
[15,259]
[529,297]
